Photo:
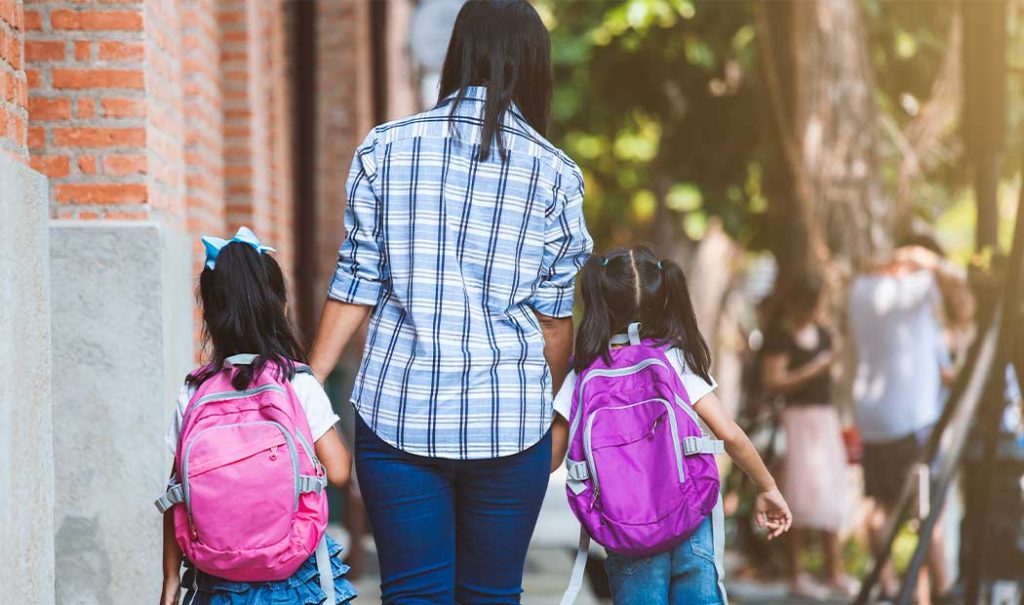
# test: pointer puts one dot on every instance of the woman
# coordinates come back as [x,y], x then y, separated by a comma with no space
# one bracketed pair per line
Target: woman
[464,236]
[798,358]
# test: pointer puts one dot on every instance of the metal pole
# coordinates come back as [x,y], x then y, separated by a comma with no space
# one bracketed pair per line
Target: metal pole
[1010,302]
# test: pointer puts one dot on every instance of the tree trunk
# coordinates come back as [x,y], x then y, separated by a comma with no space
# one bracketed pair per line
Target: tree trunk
[829,205]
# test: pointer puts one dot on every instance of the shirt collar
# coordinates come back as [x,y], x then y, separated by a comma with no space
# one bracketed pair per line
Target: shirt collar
[479,94]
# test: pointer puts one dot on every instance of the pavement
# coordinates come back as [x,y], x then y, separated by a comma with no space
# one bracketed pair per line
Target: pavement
[549,563]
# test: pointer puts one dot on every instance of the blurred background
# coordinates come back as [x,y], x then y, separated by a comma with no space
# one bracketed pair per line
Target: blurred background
[752,140]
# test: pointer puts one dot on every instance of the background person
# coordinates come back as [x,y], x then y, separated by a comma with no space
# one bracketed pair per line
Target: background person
[799,354]
[895,326]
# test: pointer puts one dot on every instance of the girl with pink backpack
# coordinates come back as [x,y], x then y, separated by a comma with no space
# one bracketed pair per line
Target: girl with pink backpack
[642,477]
[254,447]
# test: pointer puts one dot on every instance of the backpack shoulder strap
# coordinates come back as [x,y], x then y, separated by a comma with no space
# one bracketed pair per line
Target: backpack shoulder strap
[579,569]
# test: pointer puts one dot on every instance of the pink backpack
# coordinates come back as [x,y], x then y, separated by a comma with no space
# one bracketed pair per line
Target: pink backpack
[251,490]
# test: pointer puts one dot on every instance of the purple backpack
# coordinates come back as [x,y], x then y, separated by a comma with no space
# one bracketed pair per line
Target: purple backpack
[641,471]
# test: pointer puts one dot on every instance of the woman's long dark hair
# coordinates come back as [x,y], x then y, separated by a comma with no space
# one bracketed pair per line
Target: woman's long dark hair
[503,45]
[633,285]
[244,304]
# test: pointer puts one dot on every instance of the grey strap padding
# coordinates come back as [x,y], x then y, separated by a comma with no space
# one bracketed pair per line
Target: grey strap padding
[175,495]
[634,333]
[703,445]
[579,569]
[718,539]
[310,484]
[631,337]
[301,368]
[323,568]
[241,359]
[577,474]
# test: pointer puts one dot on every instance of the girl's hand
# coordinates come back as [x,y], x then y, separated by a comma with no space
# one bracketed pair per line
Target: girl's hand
[772,513]
[171,592]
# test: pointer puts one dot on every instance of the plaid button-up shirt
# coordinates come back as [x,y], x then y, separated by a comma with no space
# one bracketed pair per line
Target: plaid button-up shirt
[455,255]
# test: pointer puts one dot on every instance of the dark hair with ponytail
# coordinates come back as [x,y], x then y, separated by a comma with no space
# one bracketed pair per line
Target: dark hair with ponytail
[244,304]
[504,46]
[632,285]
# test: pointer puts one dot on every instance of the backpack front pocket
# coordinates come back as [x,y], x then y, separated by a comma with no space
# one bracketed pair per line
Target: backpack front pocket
[241,484]
[636,461]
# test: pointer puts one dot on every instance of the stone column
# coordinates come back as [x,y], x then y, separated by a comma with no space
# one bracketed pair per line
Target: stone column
[26,431]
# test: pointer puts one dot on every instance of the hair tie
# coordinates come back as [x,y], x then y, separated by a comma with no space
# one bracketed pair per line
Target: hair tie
[604,262]
[659,266]
[244,235]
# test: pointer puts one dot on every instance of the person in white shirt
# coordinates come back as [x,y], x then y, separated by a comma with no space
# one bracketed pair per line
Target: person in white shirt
[896,331]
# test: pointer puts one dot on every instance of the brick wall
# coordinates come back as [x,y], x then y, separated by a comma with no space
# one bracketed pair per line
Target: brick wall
[105,107]
[204,121]
[13,88]
[344,117]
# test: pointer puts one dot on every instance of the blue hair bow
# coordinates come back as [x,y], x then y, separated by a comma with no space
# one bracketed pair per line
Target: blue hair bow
[243,235]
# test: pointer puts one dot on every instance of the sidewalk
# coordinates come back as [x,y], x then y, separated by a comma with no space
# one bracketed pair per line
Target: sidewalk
[550,560]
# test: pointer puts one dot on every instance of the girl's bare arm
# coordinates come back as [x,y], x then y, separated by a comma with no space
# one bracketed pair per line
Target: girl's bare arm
[335,457]
[771,508]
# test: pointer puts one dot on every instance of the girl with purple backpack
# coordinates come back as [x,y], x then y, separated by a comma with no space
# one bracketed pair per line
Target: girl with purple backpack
[642,477]
[255,445]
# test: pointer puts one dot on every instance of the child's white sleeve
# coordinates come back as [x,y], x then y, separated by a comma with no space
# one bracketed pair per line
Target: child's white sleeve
[316,404]
[563,400]
[174,429]
[696,387]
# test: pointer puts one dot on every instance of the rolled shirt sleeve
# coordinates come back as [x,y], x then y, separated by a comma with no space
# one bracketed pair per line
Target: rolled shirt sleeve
[567,245]
[360,274]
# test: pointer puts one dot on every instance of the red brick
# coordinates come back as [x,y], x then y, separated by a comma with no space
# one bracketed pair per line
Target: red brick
[100,193]
[98,137]
[33,79]
[124,164]
[83,50]
[97,78]
[127,215]
[33,20]
[85,109]
[115,107]
[120,51]
[97,20]
[87,164]
[36,138]
[53,166]
[45,108]
[45,50]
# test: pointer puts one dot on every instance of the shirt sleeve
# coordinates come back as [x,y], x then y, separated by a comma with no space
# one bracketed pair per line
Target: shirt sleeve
[696,387]
[563,399]
[319,412]
[360,274]
[567,245]
[174,429]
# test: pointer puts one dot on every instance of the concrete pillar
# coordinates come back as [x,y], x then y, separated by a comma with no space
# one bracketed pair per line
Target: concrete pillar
[122,343]
[26,429]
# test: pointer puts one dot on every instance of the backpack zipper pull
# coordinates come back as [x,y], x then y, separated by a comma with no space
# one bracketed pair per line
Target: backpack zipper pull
[273,452]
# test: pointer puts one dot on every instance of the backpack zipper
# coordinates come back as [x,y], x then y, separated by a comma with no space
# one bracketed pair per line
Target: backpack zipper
[588,434]
[613,372]
[226,395]
[188,451]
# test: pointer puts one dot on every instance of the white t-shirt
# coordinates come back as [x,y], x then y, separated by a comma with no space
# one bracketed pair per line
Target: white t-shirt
[897,386]
[319,413]
[696,387]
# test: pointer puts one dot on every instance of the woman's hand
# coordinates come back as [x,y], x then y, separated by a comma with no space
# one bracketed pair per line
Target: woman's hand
[172,591]
[772,513]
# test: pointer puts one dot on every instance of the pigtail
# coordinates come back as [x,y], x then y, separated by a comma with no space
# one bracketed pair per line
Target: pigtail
[595,330]
[679,321]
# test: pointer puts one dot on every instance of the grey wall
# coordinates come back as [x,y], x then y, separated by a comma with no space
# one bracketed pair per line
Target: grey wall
[26,444]
[122,330]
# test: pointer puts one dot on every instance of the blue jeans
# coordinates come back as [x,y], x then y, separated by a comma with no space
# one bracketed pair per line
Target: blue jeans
[450,531]
[685,575]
